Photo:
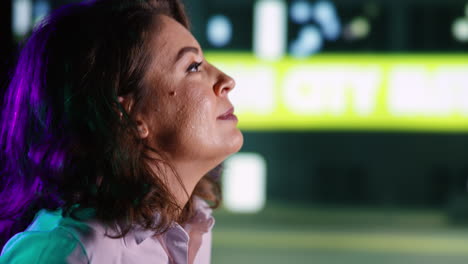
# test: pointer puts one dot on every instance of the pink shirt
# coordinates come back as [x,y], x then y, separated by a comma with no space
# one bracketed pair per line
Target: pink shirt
[52,239]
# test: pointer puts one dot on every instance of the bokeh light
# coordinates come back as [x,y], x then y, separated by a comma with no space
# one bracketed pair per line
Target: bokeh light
[309,41]
[219,30]
[300,11]
[460,29]
[324,12]
[358,28]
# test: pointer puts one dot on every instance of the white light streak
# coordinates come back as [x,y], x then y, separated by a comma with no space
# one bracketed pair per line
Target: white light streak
[244,183]
[270,29]
[22,12]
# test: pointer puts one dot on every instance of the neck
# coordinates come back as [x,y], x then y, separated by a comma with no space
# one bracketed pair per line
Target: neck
[182,181]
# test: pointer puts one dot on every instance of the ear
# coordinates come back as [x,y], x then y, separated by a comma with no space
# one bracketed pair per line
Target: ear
[142,125]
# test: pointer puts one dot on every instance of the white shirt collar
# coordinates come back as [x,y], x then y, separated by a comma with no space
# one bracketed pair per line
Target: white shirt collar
[202,220]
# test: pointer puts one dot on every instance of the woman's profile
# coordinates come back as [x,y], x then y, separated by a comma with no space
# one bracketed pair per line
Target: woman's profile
[112,123]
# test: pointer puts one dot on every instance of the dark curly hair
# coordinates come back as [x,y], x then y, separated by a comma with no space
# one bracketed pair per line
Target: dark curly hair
[66,140]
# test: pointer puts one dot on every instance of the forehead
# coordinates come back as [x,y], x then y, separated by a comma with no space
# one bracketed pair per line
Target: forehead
[170,37]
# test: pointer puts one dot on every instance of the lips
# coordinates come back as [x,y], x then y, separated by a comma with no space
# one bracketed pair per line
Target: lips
[228,115]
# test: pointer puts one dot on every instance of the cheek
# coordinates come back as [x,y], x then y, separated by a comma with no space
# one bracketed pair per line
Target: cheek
[187,112]
[200,114]
[186,119]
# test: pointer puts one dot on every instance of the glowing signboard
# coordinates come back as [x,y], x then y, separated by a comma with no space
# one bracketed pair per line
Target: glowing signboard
[349,92]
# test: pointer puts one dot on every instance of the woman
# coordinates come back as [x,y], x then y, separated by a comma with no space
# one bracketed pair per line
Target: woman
[113,118]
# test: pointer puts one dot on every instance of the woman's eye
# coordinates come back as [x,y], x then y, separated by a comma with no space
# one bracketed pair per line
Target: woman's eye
[194,67]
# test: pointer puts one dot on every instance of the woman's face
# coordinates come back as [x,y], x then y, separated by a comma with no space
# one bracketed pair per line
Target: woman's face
[189,115]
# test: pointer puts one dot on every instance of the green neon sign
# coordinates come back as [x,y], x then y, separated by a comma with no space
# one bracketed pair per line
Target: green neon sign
[349,92]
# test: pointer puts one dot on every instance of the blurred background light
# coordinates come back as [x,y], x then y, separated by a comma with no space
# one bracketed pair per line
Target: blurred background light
[41,9]
[300,11]
[350,92]
[22,17]
[324,12]
[460,29]
[309,41]
[255,89]
[358,28]
[219,30]
[244,183]
[270,29]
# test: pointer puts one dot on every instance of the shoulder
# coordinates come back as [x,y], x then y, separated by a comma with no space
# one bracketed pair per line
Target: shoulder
[96,237]
[77,239]
[54,246]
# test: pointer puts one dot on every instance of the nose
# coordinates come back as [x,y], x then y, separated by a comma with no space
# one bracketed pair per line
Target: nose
[224,84]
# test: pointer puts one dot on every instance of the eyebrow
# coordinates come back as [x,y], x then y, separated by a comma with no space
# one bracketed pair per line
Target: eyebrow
[184,50]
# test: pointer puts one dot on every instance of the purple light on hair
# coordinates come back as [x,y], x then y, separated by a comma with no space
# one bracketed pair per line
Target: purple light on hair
[30,153]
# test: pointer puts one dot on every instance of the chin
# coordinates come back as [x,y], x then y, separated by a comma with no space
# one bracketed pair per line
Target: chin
[236,143]
[229,147]
[241,141]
